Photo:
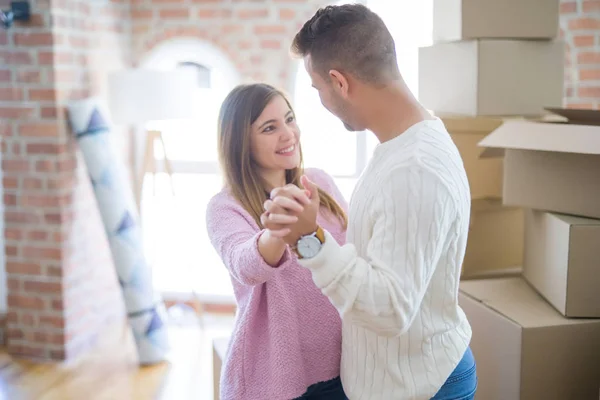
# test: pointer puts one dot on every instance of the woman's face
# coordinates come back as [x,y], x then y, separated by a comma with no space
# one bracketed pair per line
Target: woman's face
[275,137]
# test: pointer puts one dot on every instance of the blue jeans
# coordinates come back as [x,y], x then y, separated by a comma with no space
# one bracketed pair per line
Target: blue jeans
[329,390]
[462,382]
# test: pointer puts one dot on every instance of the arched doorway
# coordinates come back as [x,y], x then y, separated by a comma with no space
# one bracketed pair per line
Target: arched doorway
[175,236]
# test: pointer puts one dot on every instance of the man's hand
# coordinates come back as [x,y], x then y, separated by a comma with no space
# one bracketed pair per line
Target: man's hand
[292,212]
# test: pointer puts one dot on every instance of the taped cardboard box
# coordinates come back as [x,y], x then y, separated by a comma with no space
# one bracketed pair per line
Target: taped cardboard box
[492,77]
[526,350]
[484,174]
[562,261]
[550,166]
[455,20]
[495,243]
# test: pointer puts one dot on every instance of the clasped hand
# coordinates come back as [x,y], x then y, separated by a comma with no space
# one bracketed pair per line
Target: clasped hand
[291,212]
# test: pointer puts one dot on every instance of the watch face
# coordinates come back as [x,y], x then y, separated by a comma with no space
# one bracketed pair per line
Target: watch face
[309,246]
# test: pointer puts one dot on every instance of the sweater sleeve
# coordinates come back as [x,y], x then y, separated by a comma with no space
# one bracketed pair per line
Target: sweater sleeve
[413,215]
[234,235]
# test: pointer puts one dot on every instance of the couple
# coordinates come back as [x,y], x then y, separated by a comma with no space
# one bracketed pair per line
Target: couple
[390,269]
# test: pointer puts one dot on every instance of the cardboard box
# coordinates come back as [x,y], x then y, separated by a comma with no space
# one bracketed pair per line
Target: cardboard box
[526,350]
[495,243]
[562,261]
[492,77]
[484,174]
[550,166]
[455,20]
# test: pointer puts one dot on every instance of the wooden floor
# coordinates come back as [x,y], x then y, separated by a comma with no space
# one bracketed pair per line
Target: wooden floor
[110,372]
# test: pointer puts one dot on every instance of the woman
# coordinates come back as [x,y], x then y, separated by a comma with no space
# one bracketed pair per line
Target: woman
[286,343]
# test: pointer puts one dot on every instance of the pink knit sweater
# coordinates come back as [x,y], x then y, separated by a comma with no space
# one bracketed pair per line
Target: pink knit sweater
[287,335]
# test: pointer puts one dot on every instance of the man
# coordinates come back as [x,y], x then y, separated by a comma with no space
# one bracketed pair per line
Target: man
[396,282]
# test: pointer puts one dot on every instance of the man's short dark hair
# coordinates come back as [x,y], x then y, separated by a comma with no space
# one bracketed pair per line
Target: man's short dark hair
[350,38]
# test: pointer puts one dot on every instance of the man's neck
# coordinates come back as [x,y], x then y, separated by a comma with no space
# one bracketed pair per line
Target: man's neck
[393,110]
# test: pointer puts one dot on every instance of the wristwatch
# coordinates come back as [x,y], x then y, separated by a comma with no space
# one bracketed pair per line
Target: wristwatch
[308,246]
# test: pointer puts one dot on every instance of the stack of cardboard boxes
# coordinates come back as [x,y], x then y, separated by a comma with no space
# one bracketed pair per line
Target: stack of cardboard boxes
[491,61]
[493,70]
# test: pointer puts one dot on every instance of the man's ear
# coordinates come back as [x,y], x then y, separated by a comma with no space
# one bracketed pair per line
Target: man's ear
[339,82]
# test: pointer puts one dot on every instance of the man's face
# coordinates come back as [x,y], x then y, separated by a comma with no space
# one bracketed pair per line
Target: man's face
[331,98]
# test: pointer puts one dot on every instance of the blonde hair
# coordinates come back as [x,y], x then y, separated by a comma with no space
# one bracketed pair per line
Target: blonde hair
[240,109]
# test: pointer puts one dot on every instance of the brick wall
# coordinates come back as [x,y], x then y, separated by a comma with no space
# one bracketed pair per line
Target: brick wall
[254,34]
[580,28]
[62,285]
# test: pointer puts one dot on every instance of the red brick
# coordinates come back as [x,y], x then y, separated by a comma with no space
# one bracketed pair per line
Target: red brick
[48,112]
[49,338]
[15,333]
[175,13]
[270,29]
[22,217]
[40,201]
[52,322]
[588,58]
[34,39]
[168,1]
[10,182]
[26,351]
[3,38]
[584,40]
[29,319]
[37,235]
[42,253]
[24,76]
[15,57]
[589,92]
[5,75]
[10,199]
[11,251]
[39,129]
[45,148]
[569,7]
[589,74]
[141,14]
[214,13]
[35,21]
[42,287]
[18,112]
[287,14]
[19,268]
[33,183]
[270,44]
[13,233]
[591,6]
[257,13]
[205,1]
[54,271]
[584,23]
[11,94]
[229,29]
[16,165]
[13,284]
[26,302]
[54,218]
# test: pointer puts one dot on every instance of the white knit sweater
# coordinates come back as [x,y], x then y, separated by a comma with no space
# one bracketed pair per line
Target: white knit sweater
[396,281]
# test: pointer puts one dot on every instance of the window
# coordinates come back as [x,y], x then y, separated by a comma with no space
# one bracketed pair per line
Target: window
[173,217]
